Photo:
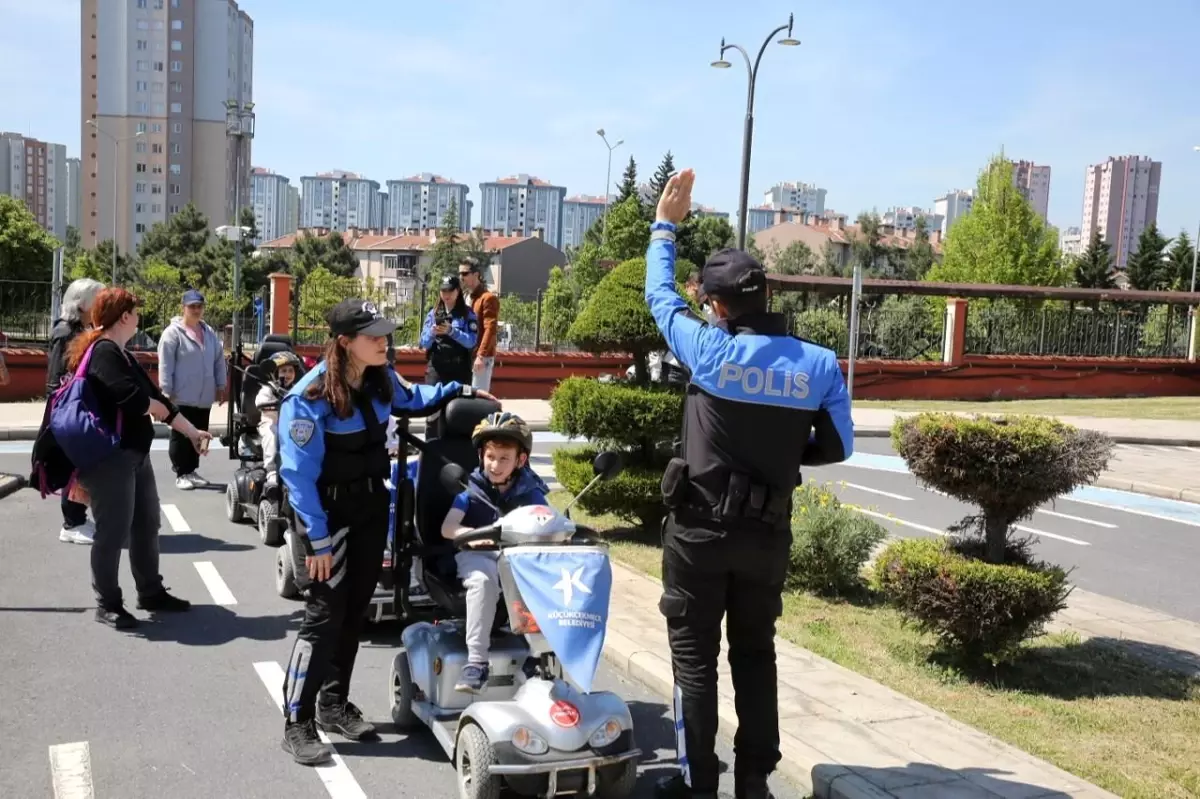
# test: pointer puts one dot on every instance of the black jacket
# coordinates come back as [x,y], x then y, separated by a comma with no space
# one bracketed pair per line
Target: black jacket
[61,336]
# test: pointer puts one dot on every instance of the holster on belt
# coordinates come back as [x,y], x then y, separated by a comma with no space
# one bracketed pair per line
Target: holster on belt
[675,483]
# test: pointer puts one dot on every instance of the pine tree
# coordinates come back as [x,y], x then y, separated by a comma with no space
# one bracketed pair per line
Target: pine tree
[629,184]
[1147,268]
[445,254]
[1093,268]
[661,175]
[1180,260]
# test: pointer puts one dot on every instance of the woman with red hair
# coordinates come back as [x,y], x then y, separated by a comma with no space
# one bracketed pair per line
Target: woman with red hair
[121,488]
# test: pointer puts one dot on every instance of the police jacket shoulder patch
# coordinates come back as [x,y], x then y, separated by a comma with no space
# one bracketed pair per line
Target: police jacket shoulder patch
[301,431]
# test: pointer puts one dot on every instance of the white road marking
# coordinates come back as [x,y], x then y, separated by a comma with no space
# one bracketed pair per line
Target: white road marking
[877,491]
[894,520]
[335,774]
[212,581]
[1076,518]
[1055,536]
[175,519]
[1127,509]
[71,771]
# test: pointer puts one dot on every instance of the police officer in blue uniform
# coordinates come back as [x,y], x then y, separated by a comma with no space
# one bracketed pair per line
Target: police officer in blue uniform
[334,460]
[449,334]
[727,534]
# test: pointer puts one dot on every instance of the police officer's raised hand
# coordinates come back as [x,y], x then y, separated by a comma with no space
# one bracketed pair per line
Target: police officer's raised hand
[676,199]
[319,566]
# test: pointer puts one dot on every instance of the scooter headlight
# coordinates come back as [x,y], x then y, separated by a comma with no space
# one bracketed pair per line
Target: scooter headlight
[529,741]
[605,734]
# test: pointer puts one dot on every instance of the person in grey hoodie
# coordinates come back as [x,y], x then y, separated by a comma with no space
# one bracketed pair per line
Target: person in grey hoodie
[76,317]
[192,373]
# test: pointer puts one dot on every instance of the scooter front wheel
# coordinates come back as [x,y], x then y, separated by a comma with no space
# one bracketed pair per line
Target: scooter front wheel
[616,781]
[233,503]
[285,573]
[474,757]
[403,692]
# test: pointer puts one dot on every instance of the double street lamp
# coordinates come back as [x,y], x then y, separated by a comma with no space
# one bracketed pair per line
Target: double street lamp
[748,135]
[607,183]
[117,142]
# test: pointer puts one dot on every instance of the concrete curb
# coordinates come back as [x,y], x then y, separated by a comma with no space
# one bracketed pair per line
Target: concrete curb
[652,671]
[10,484]
[1149,489]
[218,430]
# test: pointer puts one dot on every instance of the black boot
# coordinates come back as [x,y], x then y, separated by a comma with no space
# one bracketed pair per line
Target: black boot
[163,601]
[301,742]
[675,788]
[117,617]
[751,786]
[346,720]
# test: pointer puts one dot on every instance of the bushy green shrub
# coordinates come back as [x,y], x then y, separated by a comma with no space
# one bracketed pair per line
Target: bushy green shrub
[823,326]
[634,495]
[978,611]
[830,543]
[1006,466]
[617,415]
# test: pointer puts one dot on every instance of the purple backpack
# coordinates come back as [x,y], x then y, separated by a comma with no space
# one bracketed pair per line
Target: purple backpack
[77,427]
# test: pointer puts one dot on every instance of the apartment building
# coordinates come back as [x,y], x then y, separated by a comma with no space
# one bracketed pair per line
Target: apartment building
[157,78]
[74,192]
[805,198]
[951,206]
[270,197]
[579,214]
[37,173]
[521,205]
[1071,243]
[339,200]
[420,202]
[1033,182]
[1120,199]
[905,218]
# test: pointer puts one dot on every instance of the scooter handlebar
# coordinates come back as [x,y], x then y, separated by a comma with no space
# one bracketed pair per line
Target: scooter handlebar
[489,533]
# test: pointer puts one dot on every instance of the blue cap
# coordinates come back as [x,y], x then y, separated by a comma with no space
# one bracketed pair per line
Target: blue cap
[193,297]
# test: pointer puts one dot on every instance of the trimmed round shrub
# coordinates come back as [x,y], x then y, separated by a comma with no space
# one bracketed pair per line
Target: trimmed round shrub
[634,495]
[1007,466]
[615,414]
[830,543]
[823,326]
[979,612]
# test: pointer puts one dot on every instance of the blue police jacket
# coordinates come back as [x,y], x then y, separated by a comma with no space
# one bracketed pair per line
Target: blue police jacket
[309,429]
[526,489]
[464,330]
[752,384]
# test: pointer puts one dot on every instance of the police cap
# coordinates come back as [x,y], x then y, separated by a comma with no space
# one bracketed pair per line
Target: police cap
[450,283]
[731,272]
[358,317]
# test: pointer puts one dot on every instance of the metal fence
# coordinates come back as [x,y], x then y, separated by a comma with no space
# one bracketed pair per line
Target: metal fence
[25,313]
[904,330]
[1145,331]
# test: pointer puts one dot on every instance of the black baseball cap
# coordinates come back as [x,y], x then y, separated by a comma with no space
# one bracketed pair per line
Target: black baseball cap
[450,282]
[731,272]
[358,317]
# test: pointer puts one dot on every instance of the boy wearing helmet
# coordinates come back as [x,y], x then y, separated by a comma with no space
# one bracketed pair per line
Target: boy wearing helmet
[288,367]
[505,479]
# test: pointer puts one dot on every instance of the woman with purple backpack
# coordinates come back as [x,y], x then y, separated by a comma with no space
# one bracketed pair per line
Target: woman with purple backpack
[120,488]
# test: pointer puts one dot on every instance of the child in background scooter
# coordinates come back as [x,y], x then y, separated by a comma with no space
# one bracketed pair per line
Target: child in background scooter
[504,477]
[287,370]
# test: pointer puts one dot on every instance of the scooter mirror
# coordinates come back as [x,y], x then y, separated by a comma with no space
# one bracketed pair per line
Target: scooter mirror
[607,465]
[453,476]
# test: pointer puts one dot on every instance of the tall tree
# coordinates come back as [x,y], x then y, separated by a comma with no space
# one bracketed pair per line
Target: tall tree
[920,256]
[629,185]
[330,252]
[476,246]
[1147,268]
[1003,240]
[584,272]
[558,307]
[180,242]
[701,236]
[659,182]
[1093,268]
[26,249]
[446,251]
[867,247]
[1179,261]
[628,231]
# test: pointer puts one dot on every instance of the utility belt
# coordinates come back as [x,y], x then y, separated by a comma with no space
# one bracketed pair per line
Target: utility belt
[342,491]
[447,355]
[742,498]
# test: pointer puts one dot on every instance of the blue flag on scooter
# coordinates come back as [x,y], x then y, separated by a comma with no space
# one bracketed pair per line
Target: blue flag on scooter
[566,589]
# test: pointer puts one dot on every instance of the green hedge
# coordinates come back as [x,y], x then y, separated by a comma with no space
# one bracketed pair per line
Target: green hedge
[615,414]
[634,495]
[1007,466]
[830,543]
[978,611]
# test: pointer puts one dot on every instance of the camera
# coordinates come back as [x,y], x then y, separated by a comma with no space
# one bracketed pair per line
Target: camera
[441,317]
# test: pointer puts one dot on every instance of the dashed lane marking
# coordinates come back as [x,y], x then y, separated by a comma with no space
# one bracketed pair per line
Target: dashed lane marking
[212,581]
[175,519]
[71,771]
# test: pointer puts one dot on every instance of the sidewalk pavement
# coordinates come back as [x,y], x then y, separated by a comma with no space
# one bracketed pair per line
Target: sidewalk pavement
[846,737]
[1162,474]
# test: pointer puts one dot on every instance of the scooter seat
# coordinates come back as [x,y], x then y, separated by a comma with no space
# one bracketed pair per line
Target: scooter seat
[446,594]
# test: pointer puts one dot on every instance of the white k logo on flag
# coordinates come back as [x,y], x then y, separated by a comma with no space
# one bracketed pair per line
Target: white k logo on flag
[569,583]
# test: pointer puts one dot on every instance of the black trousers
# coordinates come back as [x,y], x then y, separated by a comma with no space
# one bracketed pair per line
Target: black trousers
[322,659]
[184,458]
[73,513]
[704,578]
[432,378]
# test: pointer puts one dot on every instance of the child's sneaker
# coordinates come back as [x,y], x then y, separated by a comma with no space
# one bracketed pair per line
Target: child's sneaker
[472,678]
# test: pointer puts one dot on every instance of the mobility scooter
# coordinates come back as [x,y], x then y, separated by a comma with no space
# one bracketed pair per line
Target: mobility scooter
[247,495]
[537,727]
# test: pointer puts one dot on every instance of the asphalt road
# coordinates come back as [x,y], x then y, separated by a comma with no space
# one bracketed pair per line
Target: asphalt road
[182,707]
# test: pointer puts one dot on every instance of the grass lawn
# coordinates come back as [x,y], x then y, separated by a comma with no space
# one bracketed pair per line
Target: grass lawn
[1087,708]
[1187,408]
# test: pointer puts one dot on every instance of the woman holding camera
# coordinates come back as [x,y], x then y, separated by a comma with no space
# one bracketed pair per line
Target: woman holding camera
[448,336]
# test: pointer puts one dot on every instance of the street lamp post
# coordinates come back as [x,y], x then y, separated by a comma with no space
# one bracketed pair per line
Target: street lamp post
[748,135]
[116,143]
[239,126]
[1196,243]
[607,183]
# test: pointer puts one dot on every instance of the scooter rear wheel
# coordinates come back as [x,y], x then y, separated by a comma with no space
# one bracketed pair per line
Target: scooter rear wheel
[473,760]
[285,573]
[266,513]
[403,692]
[233,503]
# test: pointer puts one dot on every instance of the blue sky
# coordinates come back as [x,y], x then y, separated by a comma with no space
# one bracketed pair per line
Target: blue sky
[883,104]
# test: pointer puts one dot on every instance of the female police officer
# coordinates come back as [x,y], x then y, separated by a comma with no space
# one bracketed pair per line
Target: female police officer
[334,460]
